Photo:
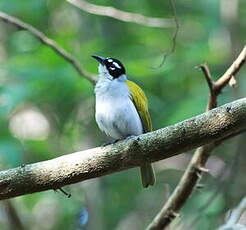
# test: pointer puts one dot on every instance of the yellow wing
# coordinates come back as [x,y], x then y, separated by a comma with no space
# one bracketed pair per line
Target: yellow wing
[141,103]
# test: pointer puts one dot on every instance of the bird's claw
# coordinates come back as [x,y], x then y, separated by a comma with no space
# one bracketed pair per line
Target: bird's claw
[117,140]
[130,137]
[110,142]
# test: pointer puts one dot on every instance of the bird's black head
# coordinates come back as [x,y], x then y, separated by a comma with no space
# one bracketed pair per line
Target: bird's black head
[114,66]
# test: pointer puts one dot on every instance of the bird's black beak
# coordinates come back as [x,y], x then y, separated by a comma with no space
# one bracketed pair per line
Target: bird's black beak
[99,59]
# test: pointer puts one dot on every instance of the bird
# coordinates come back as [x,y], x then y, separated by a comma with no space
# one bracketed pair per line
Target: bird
[121,108]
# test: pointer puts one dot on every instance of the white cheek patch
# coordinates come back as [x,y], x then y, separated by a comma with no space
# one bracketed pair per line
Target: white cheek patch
[101,68]
[103,72]
[116,65]
[112,68]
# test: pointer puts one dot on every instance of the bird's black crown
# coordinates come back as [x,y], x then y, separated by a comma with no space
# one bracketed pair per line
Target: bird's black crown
[114,67]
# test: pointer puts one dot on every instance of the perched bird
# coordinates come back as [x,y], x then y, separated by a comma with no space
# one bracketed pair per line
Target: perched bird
[122,107]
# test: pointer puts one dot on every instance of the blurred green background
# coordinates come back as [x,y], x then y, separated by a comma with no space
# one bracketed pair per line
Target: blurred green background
[47,109]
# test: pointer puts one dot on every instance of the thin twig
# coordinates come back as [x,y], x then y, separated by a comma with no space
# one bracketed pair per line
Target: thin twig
[233,82]
[48,42]
[196,166]
[121,15]
[174,38]
[232,71]
[68,195]
[235,216]
[237,212]
[212,99]
[208,76]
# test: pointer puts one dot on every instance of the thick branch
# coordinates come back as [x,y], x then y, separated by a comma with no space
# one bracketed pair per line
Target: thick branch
[121,15]
[161,144]
[49,42]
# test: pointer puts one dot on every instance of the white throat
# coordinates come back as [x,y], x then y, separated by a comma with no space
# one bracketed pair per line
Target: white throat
[107,86]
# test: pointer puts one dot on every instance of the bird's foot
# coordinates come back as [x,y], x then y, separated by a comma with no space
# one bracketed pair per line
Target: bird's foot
[110,142]
[117,140]
[68,195]
[129,137]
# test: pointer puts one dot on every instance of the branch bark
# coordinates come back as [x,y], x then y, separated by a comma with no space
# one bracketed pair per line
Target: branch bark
[122,15]
[206,128]
[49,42]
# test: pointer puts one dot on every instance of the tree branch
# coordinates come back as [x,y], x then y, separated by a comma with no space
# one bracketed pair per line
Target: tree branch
[49,42]
[196,166]
[234,217]
[121,15]
[160,144]
[212,101]
[231,72]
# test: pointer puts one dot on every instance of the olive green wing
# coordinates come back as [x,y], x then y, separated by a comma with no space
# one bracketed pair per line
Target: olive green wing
[141,103]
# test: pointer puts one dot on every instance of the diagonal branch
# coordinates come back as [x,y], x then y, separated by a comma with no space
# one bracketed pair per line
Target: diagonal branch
[121,15]
[206,128]
[231,223]
[49,42]
[196,166]
[232,71]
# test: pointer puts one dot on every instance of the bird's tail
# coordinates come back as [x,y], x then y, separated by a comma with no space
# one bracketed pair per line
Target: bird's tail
[147,175]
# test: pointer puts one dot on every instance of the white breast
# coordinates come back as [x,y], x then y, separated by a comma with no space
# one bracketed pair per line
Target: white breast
[116,114]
